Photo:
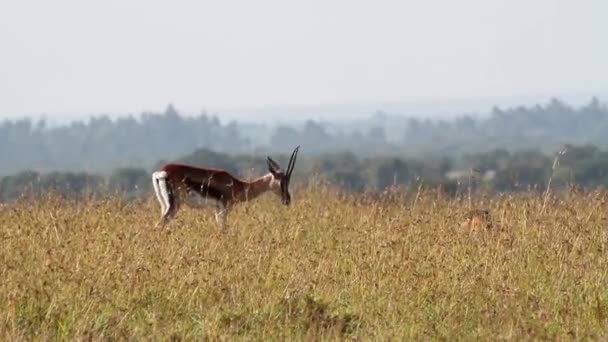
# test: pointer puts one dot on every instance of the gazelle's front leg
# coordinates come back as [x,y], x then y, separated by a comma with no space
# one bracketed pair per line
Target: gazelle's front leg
[221,212]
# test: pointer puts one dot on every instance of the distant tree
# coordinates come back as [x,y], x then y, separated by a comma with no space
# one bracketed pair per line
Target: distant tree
[592,171]
[171,113]
[23,182]
[524,169]
[377,136]
[130,181]
[389,172]
[349,180]
[466,125]
[315,136]
[101,144]
[491,160]
[284,136]
[71,183]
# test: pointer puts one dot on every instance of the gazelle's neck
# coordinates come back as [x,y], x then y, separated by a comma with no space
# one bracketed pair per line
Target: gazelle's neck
[258,186]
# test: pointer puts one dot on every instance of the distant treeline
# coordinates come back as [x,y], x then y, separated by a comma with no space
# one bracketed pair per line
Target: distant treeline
[101,145]
[496,170]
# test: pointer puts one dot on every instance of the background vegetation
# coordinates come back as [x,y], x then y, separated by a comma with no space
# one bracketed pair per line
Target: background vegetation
[511,149]
[494,171]
[101,145]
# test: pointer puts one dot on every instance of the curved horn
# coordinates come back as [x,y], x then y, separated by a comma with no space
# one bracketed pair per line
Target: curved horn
[292,161]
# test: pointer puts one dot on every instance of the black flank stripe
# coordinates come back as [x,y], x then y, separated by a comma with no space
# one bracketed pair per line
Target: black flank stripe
[203,189]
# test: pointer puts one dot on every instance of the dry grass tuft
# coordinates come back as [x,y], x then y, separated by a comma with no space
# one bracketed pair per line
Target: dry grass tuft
[477,219]
[330,267]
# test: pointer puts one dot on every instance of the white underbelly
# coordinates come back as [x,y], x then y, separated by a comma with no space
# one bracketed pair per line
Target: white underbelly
[196,200]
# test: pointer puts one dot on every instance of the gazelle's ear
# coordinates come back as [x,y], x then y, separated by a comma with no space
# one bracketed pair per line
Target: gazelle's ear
[273,167]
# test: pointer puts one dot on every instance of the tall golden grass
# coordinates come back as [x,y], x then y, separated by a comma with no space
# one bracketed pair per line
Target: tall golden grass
[329,267]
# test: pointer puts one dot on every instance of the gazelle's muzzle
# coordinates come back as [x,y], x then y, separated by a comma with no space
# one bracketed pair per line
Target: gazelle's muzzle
[285,195]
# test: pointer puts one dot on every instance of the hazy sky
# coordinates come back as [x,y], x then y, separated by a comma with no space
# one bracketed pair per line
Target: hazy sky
[76,56]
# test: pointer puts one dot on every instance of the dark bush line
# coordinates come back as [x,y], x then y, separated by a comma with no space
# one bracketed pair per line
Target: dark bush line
[496,170]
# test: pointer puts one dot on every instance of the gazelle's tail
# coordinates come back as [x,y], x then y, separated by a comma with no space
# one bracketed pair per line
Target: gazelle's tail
[161,189]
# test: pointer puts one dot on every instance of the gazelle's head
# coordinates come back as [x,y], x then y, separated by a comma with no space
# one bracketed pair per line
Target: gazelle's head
[280,178]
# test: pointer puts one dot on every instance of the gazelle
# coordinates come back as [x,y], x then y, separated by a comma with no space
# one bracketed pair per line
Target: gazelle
[216,187]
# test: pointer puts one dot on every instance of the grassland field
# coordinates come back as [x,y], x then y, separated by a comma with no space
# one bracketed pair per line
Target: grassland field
[329,267]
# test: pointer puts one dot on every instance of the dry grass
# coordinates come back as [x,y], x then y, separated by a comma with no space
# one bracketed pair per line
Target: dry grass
[329,267]
[477,219]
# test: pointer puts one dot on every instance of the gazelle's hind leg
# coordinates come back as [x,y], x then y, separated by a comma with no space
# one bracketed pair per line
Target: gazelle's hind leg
[168,200]
[169,211]
[155,184]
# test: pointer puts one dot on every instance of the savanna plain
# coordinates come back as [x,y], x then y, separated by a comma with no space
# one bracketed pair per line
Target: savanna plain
[331,266]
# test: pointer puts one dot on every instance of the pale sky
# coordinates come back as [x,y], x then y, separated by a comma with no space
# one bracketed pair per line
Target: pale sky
[71,57]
